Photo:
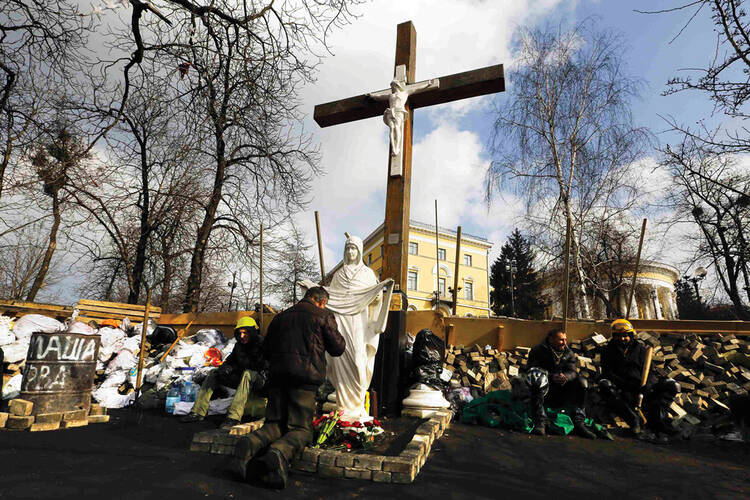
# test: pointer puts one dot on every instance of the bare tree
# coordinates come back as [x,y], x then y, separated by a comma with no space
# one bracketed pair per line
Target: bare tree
[565,139]
[291,263]
[721,216]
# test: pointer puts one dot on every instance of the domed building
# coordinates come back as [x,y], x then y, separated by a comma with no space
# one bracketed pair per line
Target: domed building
[654,296]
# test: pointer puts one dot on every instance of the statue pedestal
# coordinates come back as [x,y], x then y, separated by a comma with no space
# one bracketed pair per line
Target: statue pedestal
[423,401]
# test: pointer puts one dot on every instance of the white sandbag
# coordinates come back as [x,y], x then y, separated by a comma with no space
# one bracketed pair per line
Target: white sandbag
[125,360]
[152,373]
[115,379]
[112,340]
[108,397]
[165,378]
[198,357]
[17,351]
[149,329]
[174,363]
[32,323]
[132,344]
[82,328]
[6,334]
[12,389]
[209,337]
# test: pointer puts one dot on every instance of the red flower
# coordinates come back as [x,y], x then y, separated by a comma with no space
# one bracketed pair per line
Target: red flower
[357,424]
[353,434]
[344,423]
[377,422]
[348,445]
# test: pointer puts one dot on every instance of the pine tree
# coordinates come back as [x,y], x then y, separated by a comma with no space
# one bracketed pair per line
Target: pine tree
[688,304]
[525,296]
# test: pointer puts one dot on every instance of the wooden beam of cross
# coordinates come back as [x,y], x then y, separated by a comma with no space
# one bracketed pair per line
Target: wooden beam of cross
[395,105]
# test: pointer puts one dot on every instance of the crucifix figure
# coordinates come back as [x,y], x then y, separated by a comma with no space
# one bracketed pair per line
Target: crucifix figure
[396,106]
[396,114]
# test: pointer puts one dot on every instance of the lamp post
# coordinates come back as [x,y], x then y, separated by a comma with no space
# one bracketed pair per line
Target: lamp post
[511,267]
[232,285]
[698,276]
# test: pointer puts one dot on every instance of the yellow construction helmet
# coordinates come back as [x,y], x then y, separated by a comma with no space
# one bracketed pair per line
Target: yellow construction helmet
[622,326]
[246,322]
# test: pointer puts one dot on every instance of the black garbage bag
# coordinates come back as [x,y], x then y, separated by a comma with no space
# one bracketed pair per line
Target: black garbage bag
[427,359]
[162,335]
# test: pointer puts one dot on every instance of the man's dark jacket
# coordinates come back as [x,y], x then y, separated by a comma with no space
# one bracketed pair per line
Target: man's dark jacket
[243,357]
[542,356]
[296,343]
[624,366]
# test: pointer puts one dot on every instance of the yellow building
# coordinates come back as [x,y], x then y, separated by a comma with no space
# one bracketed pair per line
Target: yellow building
[422,277]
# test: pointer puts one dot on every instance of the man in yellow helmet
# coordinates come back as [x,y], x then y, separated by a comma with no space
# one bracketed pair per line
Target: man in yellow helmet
[622,364]
[245,368]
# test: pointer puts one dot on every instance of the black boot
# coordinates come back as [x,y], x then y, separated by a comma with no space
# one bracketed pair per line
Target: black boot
[277,476]
[243,453]
[540,429]
[191,417]
[229,423]
[580,428]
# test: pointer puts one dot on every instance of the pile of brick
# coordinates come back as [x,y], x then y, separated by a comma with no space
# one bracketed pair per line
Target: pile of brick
[20,417]
[710,369]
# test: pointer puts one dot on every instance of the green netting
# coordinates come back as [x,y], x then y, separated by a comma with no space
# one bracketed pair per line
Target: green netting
[498,408]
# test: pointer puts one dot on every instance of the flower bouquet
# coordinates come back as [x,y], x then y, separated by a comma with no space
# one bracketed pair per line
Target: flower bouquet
[330,431]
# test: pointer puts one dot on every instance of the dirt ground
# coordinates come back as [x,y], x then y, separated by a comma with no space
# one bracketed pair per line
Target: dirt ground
[126,460]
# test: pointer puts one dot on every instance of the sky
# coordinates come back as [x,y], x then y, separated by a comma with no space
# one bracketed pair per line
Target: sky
[451,153]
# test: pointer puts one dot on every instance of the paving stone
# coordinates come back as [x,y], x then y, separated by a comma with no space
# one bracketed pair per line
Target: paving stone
[311,455]
[19,422]
[397,464]
[68,424]
[327,458]
[98,419]
[45,418]
[403,478]
[76,415]
[20,407]
[44,426]
[305,466]
[370,462]
[330,471]
[3,418]
[344,460]
[201,447]
[357,473]
[380,476]
[97,409]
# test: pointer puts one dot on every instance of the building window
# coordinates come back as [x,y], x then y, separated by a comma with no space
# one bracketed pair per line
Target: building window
[369,259]
[411,281]
[441,253]
[467,260]
[413,248]
[468,290]
[441,286]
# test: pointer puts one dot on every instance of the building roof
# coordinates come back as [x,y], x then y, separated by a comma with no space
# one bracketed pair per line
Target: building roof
[430,228]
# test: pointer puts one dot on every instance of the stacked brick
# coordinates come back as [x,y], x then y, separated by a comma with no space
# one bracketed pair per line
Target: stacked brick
[20,418]
[710,368]
[402,468]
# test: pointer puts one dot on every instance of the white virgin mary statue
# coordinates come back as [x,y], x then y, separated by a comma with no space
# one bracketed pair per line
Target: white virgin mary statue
[360,304]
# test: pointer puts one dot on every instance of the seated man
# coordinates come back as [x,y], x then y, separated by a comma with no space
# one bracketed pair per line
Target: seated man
[245,368]
[620,382]
[553,382]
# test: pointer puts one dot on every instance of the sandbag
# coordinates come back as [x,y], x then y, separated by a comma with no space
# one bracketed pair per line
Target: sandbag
[12,389]
[32,323]
[108,397]
[80,328]
[6,335]
[125,360]
[209,337]
[17,351]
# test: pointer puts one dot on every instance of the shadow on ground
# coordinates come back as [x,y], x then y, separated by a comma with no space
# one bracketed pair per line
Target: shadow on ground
[128,460]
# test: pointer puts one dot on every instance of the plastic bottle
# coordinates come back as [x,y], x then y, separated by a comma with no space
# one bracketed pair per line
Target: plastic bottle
[173,396]
[186,392]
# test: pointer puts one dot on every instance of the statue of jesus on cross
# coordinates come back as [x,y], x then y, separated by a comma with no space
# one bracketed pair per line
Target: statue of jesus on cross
[396,114]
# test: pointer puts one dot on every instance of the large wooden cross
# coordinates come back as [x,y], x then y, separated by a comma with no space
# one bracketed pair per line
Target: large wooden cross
[445,89]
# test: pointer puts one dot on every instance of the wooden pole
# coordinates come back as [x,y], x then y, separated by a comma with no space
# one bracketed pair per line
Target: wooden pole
[320,248]
[635,271]
[437,259]
[180,334]
[455,272]
[144,328]
[260,317]
[566,277]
